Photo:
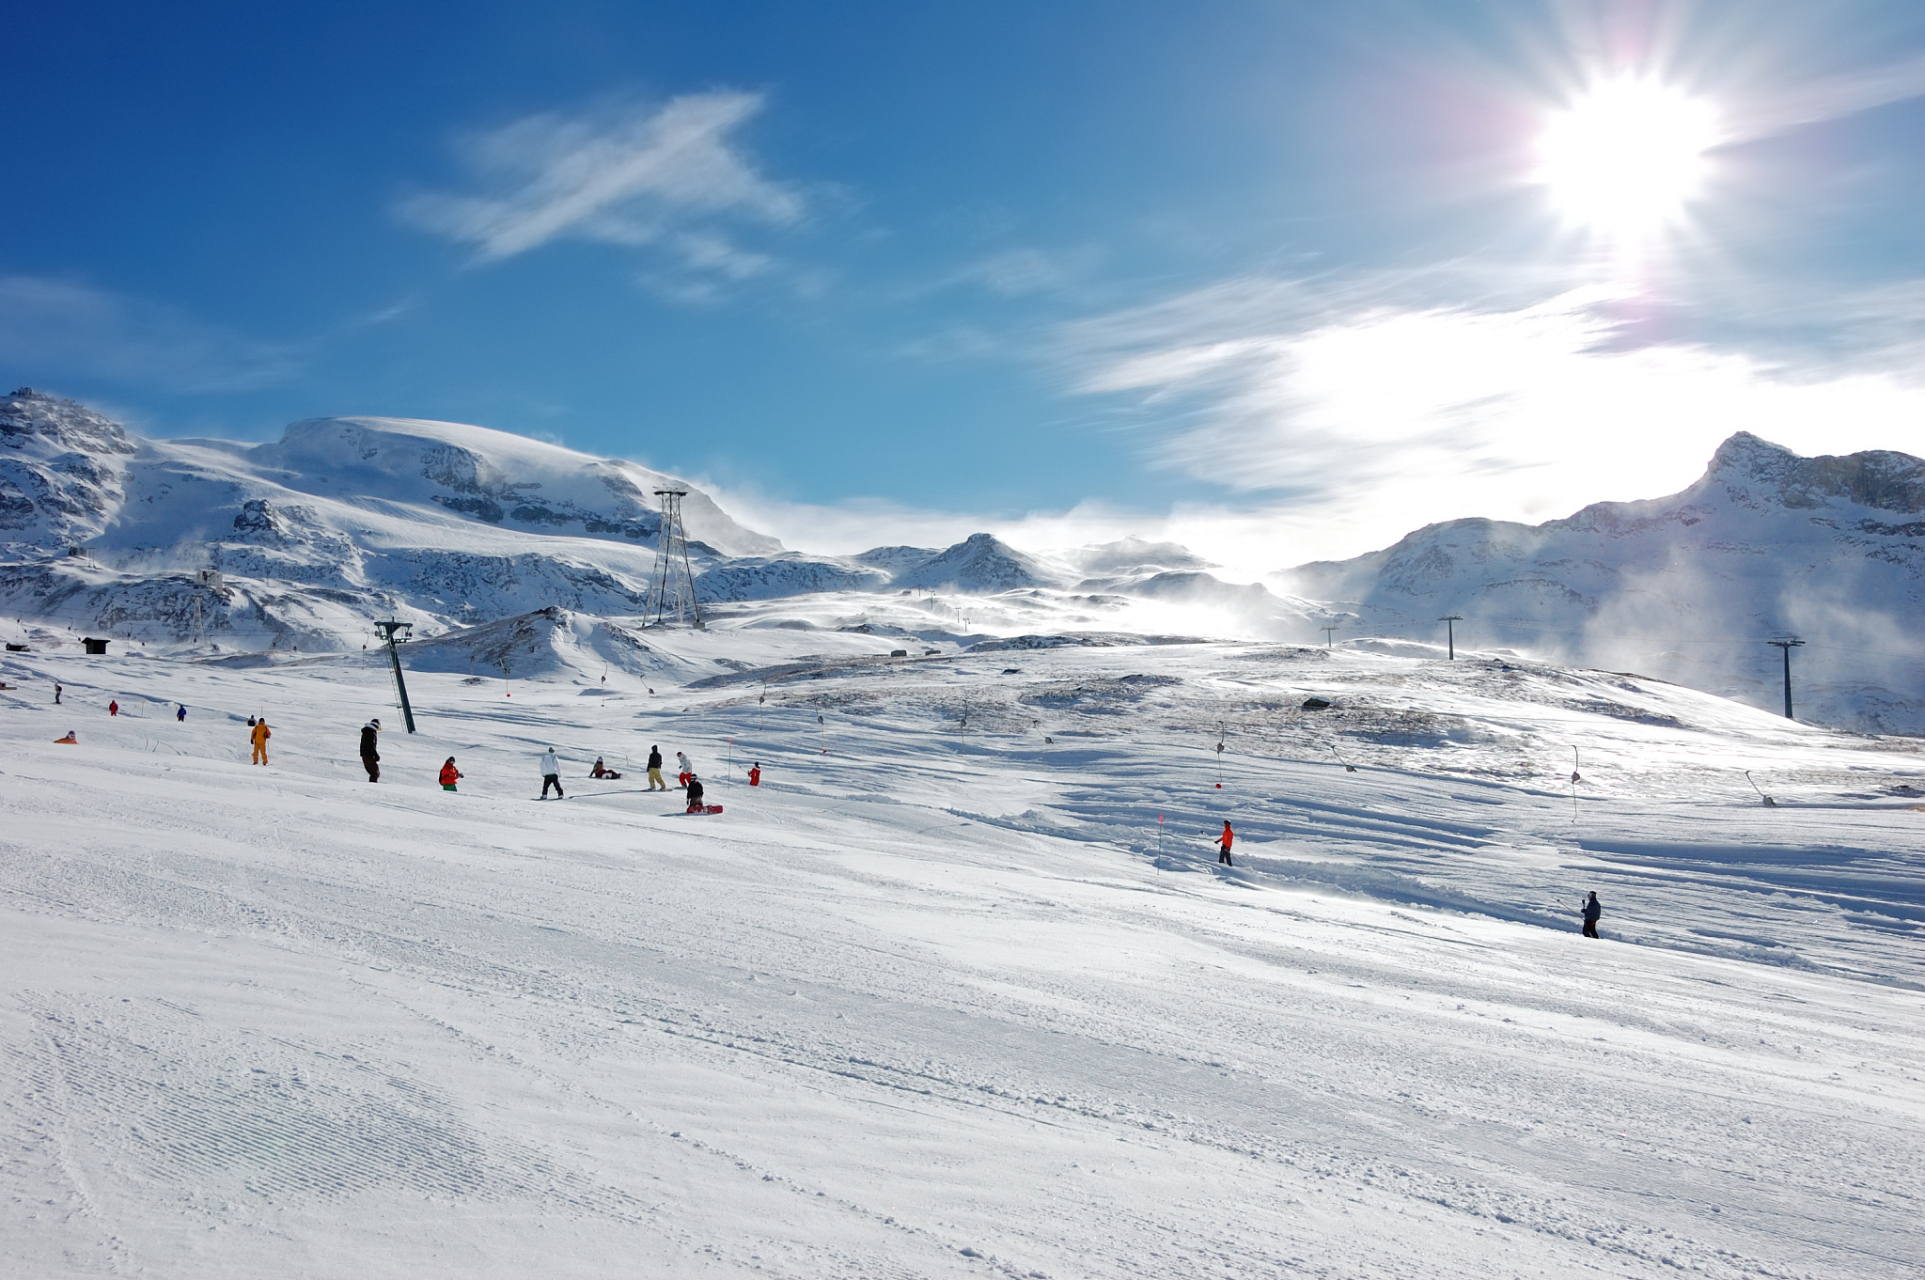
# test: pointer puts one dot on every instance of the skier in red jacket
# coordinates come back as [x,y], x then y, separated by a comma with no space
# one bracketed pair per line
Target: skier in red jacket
[1224,842]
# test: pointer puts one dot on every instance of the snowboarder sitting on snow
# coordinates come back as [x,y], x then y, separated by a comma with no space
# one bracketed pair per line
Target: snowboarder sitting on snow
[1592,910]
[259,737]
[694,794]
[450,775]
[601,770]
[551,775]
[70,740]
[655,782]
[1224,842]
[687,770]
[755,774]
[370,758]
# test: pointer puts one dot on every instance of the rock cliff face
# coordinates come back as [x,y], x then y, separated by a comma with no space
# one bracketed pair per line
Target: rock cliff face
[63,471]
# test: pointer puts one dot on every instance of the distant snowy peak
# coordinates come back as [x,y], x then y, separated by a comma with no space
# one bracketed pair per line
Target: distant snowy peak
[1746,475]
[497,478]
[1749,469]
[980,563]
[1135,556]
[894,560]
[1686,587]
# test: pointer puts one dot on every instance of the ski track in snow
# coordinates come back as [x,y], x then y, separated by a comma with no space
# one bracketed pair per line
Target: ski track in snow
[933,1004]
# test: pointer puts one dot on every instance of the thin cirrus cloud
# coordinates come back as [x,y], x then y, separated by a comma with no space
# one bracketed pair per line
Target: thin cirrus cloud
[629,176]
[1829,98]
[1353,417]
[65,328]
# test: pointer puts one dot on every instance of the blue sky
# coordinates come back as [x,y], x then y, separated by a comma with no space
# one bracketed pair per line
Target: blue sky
[1282,279]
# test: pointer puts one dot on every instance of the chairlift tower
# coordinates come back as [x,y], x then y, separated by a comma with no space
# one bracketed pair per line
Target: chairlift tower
[387,630]
[1787,645]
[674,580]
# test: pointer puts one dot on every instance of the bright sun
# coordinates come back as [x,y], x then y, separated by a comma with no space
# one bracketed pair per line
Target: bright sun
[1627,156]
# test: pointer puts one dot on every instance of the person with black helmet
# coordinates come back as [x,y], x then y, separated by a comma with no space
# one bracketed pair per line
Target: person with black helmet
[1593,909]
[370,758]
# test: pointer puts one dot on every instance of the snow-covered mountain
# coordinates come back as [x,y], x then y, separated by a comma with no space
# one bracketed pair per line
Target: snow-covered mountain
[300,543]
[297,543]
[1691,587]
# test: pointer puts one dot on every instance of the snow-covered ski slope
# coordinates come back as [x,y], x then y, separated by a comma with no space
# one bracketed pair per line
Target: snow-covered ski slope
[943,999]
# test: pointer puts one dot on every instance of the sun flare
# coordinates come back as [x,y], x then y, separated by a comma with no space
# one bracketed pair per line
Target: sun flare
[1627,156]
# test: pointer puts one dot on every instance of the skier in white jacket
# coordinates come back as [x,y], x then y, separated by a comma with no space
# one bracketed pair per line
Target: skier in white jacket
[551,775]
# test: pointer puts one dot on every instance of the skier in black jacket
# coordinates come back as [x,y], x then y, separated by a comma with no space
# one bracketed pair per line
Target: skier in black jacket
[1592,910]
[370,758]
[694,794]
[655,782]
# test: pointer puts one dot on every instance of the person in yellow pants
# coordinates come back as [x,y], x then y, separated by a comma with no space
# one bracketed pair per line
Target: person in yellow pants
[260,736]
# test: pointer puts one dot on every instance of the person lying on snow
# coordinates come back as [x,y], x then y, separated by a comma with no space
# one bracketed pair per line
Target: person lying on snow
[694,794]
[602,771]
[450,775]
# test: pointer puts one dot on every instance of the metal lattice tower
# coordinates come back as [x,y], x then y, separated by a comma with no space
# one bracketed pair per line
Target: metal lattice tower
[673,585]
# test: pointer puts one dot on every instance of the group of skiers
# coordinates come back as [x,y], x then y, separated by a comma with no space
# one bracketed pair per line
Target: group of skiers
[548,763]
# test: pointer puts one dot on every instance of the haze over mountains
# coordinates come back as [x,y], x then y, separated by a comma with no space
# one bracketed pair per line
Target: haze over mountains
[450,526]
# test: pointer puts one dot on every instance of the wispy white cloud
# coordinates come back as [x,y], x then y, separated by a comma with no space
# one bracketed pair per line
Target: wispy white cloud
[51,328]
[1830,98]
[1356,421]
[626,176]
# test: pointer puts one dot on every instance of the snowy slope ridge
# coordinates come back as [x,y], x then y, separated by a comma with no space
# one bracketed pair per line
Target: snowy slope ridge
[1767,544]
[960,990]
